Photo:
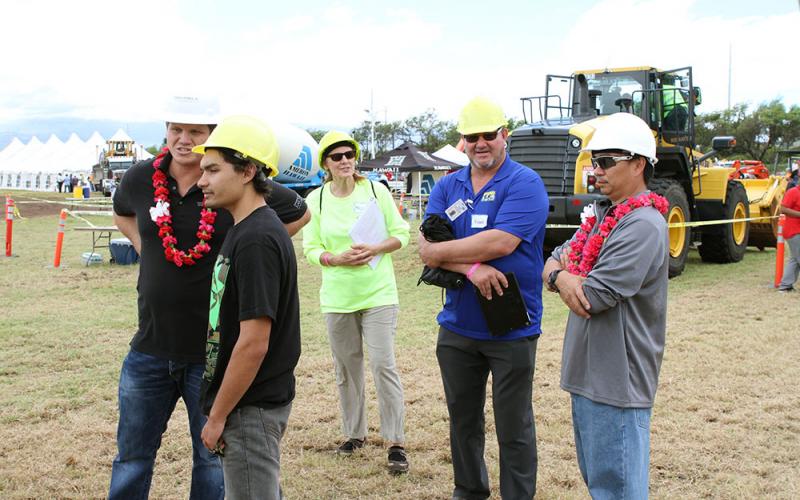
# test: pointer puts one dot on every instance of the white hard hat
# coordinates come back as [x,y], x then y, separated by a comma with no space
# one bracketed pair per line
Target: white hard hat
[625,132]
[192,110]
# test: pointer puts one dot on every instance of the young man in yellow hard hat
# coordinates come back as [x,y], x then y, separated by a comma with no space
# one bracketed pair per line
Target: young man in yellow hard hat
[498,209]
[159,207]
[254,319]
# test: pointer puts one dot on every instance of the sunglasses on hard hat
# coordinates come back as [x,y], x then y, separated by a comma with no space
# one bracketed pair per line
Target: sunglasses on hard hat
[487,136]
[606,162]
[338,156]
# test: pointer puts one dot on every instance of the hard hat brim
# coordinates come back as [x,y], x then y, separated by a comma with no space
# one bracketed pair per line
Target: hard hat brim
[188,119]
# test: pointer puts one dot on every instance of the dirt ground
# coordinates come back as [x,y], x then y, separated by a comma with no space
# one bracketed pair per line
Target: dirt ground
[49,204]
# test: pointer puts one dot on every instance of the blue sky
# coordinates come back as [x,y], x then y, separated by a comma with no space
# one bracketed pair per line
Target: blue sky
[316,63]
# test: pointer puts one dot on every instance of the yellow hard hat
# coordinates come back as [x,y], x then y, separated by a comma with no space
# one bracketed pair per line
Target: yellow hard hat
[480,115]
[333,138]
[248,136]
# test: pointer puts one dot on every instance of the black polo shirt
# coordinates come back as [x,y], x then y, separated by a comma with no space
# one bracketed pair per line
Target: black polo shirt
[173,301]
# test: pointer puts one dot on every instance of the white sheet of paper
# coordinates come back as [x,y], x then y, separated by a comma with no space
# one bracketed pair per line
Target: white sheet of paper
[370,228]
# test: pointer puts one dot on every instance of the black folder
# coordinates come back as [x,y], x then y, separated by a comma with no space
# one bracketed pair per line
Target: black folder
[506,312]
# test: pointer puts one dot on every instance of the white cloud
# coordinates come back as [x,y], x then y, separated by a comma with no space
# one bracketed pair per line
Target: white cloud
[619,33]
[119,59]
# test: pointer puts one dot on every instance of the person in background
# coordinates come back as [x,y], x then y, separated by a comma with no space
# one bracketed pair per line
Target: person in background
[359,294]
[790,207]
[254,318]
[178,241]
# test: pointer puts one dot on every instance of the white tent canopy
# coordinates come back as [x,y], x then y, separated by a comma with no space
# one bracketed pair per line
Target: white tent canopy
[450,153]
[35,165]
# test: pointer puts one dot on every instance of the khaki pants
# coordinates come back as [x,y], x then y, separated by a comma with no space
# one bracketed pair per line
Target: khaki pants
[348,332]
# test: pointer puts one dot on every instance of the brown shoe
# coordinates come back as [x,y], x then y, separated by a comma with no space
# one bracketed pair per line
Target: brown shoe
[398,460]
[349,446]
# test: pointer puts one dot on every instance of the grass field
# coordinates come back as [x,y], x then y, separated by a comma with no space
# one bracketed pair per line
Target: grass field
[725,424]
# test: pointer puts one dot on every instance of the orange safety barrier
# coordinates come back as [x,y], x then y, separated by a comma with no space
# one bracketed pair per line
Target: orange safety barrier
[62,221]
[9,224]
[779,252]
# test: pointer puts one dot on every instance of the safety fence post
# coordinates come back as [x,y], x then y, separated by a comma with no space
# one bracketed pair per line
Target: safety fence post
[779,252]
[9,224]
[62,220]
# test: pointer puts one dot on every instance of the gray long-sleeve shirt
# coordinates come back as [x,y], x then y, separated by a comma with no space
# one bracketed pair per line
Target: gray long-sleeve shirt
[615,356]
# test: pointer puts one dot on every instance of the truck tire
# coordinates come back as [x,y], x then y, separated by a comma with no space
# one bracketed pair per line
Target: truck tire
[724,243]
[679,237]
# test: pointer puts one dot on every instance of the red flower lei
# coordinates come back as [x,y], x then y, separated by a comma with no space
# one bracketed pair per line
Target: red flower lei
[584,250]
[163,219]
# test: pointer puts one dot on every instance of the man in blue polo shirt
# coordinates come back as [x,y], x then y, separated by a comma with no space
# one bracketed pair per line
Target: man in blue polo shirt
[498,209]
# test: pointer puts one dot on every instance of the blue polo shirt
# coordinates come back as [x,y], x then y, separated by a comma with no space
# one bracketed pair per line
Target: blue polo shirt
[514,201]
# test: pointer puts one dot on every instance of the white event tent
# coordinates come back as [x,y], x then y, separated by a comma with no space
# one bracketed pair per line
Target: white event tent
[36,165]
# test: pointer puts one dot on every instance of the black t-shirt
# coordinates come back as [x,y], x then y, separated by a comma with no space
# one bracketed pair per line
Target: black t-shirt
[255,276]
[173,301]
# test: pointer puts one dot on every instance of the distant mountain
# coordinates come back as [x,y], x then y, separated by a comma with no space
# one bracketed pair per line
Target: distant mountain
[147,134]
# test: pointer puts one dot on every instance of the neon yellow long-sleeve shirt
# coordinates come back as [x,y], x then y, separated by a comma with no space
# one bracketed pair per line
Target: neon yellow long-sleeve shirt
[347,288]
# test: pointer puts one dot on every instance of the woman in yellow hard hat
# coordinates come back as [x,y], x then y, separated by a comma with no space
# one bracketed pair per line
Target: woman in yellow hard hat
[359,295]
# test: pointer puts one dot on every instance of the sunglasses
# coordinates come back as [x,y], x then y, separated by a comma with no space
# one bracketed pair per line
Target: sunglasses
[338,156]
[606,162]
[487,136]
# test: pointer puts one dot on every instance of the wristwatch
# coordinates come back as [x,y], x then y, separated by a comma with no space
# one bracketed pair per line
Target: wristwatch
[551,280]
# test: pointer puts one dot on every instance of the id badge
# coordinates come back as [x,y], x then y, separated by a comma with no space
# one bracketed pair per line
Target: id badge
[479,221]
[456,209]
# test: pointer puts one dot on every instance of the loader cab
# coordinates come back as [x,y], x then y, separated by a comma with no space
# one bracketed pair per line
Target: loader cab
[664,99]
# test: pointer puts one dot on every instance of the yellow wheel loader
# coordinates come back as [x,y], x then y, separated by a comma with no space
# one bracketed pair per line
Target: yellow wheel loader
[551,143]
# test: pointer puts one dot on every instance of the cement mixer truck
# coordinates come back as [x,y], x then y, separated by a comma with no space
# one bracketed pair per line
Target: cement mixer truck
[298,164]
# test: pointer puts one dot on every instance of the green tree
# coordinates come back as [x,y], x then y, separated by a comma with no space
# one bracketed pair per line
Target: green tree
[759,133]
[427,131]
[316,133]
[387,136]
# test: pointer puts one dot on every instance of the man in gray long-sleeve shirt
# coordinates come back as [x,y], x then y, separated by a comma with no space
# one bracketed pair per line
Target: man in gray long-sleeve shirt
[617,297]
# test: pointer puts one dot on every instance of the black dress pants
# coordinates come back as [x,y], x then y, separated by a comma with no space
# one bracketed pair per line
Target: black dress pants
[465,365]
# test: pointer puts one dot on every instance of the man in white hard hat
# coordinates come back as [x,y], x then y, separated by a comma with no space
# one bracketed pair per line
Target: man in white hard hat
[498,209]
[160,208]
[612,275]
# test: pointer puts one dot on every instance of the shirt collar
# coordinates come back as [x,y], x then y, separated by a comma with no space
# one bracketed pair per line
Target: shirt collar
[463,175]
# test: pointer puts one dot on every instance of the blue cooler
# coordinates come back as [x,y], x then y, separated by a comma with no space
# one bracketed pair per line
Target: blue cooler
[122,252]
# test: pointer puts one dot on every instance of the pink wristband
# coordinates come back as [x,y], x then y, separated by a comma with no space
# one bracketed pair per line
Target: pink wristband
[472,269]
[326,259]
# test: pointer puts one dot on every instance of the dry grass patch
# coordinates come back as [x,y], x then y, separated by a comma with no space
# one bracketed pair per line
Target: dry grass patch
[725,423]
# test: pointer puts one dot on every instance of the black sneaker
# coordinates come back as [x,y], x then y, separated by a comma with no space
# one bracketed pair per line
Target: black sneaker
[349,446]
[786,290]
[398,461]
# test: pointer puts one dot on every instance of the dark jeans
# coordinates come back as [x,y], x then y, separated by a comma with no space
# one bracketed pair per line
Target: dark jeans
[149,387]
[465,365]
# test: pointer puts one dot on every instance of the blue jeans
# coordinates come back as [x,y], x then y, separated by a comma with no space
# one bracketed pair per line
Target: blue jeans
[613,446]
[252,460]
[149,387]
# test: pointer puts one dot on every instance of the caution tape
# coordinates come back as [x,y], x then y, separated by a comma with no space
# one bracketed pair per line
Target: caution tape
[72,214]
[715,222]
[680,224]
